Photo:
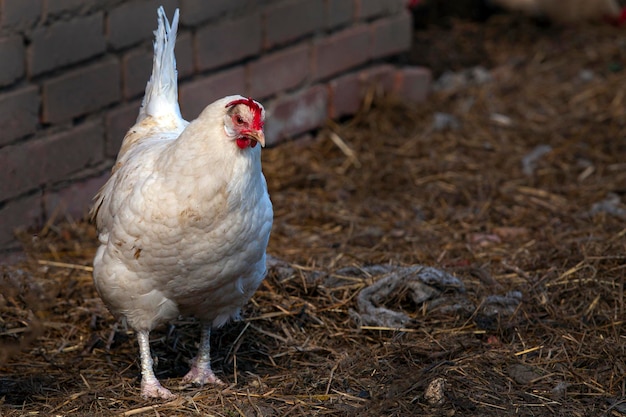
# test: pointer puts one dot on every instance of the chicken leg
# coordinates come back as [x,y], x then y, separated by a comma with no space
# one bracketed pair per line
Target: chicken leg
[150,385]
[201,372]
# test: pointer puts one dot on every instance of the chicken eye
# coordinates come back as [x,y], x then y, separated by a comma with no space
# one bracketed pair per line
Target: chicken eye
[238,120]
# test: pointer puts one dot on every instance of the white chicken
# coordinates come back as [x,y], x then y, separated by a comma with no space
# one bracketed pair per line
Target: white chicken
[566,11]
[184,221]
[558,11]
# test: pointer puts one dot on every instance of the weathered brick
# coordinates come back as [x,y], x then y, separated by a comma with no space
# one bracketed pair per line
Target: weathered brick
[380,77]
[368,9]
[135,21]
[413,83]
[339,13]
[278,71]
[81,91]
[228,41]
[55,7]
[75,199]
[117,123]
[184,55]
[341,51]
[19,14]
[193,12]
[26,166]
[289,20]
[16,214]
[12,59]
[66,43]
[19,113]
[196,95]
[136,70]
[346,93]
[292,115]
[391,35]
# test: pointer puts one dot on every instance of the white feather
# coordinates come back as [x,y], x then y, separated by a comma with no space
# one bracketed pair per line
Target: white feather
[161,97]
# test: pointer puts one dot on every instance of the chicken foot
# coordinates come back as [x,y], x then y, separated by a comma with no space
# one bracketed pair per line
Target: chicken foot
[201,372]
[150,385]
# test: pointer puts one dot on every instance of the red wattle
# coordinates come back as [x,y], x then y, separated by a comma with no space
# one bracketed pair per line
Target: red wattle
[243,143]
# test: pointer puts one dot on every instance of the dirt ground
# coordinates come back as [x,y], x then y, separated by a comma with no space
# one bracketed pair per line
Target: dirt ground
[511,178]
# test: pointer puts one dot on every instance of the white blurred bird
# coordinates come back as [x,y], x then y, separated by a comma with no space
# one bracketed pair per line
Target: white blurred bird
[567,11]
[185,218]
[558,11]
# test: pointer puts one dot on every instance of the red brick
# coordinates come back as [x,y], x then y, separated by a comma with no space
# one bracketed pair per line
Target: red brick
[368,9]
[135,21]
[228,41]
[339,13]
[341,51]
[19,14]
[196,95]
[193,12]
[413,83]
[117,123]
[279,71]
[184,55]
[136,70]
[17,214]
[81,91]
[292,115]
[75,199]
[391,35]
[66,43]
[26,166]
[288,21]
[346,93]
[56,7]
[12,58]
[381,77]
[19,113]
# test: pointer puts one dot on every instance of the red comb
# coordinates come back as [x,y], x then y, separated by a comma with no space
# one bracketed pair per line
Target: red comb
[254,106]
[411,4]
[247,101]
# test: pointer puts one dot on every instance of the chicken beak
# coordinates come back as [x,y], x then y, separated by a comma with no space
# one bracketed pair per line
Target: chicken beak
[259,136]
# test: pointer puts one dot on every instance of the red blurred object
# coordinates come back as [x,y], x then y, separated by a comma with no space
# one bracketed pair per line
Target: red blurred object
[413,3]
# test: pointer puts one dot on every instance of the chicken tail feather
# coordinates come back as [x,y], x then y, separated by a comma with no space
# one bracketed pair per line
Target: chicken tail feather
[161,97]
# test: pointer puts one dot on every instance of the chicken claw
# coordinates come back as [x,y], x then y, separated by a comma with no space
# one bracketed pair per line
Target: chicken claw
[201,376]
[153,389]
[150,385]
[201,372]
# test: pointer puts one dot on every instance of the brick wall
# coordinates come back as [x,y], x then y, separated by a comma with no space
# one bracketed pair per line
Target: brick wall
[72,74]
